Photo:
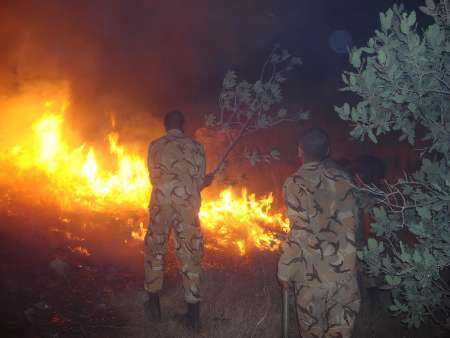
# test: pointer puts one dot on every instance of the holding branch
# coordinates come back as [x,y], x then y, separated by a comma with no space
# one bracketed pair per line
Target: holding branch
[249,107]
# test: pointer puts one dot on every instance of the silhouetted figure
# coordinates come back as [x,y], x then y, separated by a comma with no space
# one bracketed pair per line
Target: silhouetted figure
[176,164]
[319,256]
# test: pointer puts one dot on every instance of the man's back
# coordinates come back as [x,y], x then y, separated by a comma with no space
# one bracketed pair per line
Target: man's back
[176,163]
[322,211]
[177,172]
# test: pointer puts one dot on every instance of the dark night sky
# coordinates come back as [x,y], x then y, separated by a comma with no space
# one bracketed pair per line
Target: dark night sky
[144,57]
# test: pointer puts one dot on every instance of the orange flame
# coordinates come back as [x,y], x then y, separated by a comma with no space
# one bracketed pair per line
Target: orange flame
[242,221]
[77,178]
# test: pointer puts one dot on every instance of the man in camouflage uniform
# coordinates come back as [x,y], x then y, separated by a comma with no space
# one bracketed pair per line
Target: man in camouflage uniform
[319,256]
[176,164]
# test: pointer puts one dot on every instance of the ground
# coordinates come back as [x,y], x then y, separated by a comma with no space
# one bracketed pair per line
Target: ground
[48,290]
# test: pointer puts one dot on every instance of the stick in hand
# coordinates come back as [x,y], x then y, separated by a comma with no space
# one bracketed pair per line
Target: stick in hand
[285,318]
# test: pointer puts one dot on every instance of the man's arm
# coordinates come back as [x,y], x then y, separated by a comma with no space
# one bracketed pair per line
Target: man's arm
[204,180]
[295,200]
[152,165]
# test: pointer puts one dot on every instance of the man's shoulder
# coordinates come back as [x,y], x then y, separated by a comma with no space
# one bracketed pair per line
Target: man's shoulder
[295,179]
[337,174]
[310,174]
[187,138]
[178,141]
[335,171]
[158,141]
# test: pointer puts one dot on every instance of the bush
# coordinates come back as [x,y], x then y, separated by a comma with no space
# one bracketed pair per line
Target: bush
[402,80]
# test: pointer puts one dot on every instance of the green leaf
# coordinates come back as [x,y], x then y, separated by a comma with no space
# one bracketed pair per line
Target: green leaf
[230,80]
[398,98]
[258,87]
[275,153]
[430,4]
[393,280]
[417,258]
[372,136]
[346,109]
[424,212]
[393,308]
[360,254]
[210,120]
[412,19]
[372,244]
[386,20]
[357,132]
[425,10]
[304,115]
[356,58]
[379,213]
[404,26]
[282,113]
[382,57]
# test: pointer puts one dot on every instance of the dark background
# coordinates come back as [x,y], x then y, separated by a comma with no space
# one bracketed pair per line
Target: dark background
[141,58]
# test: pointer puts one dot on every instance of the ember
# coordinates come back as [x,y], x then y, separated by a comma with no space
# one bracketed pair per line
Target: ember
[77,176]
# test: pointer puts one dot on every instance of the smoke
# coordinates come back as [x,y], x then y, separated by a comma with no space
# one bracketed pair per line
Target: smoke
[140,58]
[131,58]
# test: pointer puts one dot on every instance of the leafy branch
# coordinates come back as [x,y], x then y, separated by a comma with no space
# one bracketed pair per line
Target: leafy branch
[250,107]
[402,77]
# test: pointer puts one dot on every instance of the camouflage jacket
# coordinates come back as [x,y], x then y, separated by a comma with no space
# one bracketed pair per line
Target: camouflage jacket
[176,164]
[320,248]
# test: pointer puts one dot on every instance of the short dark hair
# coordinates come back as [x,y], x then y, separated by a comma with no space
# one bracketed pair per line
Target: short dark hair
[174,120]
[315,144]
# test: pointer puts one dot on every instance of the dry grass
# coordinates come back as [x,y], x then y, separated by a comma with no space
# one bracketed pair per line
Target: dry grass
[104,298]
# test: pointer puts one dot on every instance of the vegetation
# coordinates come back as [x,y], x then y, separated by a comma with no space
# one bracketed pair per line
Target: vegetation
[402,80]
[247,107]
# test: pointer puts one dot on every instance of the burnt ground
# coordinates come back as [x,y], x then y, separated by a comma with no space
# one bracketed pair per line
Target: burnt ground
[47,290]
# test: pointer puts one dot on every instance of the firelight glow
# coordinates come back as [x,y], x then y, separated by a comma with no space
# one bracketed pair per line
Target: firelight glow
[77,178]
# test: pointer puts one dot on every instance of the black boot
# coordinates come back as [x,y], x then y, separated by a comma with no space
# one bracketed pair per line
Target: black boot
[152,308]
[194,316]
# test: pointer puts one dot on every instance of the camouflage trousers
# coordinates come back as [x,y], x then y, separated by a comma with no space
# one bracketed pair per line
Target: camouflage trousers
[328,311]
[188,245]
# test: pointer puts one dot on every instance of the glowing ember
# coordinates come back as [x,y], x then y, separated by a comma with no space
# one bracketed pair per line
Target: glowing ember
[80,250]
[77,177]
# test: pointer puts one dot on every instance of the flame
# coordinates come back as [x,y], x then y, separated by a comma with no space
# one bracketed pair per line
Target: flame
[243,221]
[76,175]
[82,177]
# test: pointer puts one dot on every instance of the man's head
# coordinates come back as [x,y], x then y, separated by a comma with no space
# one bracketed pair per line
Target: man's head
[174,120]
[313,145]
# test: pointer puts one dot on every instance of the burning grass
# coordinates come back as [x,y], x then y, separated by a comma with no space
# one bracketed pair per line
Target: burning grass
[72,221]
[49,167]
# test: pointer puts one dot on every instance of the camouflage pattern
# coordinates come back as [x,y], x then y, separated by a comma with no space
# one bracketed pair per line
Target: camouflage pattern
[177,169]
[319,255]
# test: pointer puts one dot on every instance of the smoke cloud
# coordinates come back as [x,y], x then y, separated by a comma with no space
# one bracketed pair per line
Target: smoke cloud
[138,59]
[132,58]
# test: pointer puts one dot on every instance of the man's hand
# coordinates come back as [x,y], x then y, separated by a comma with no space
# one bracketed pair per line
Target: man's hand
[284,284]
[207,181]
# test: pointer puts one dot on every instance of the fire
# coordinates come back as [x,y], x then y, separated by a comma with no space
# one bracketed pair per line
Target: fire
[243,221]
[80,177]
[80,250]
[76,175]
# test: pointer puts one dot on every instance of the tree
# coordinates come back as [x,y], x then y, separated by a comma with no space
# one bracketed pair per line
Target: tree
[402,80]
[246,107]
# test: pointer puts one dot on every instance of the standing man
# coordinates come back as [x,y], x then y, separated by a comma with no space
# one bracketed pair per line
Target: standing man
[176,165]
[319,256]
